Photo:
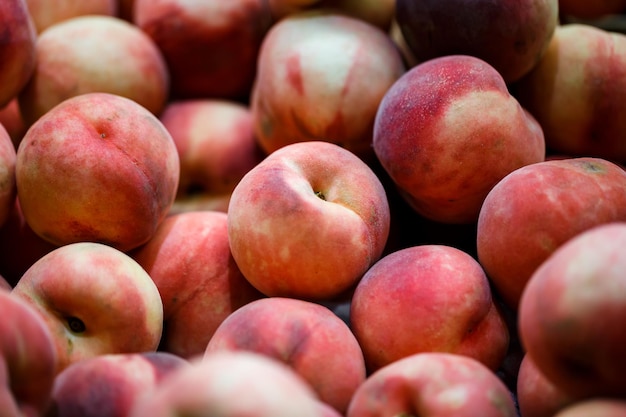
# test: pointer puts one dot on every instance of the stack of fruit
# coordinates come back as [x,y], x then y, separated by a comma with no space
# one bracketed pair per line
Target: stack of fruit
[312,208]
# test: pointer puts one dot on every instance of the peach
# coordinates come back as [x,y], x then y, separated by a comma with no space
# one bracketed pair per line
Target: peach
[447,131]
[536,208]
[571,314]
[189,260]
[427,298]
[321,76]
[433,384]
[216,145]
[95,300]
[94,53]
[231,384]
[576,92]
[511,35]
[46,13]
[307,336]
[8,186]
[210,47]
[17,48]
[97,167]
[108,385]
[28,359]
[308,221]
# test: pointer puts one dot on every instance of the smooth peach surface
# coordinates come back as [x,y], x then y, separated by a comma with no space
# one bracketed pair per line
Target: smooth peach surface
[433,385]
[576,92]
[306,336]
[98,167]
[108,385]
[189,260]
[46,13]
[308,221]
[447,131]
[231,384]
[210,47]
[511,35]
[427,298]
[535,209]
[536,395]
[94,54]
[217,146]
[27,359]
[17,48]
[8,186]
[95,300]
[571,314]
[321,76]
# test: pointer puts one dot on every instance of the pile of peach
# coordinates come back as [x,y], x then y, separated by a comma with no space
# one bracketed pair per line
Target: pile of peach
[312,208]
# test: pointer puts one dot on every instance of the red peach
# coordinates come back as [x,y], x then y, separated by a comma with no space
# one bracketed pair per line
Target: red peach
[321,76]
[94,53]
[189,260]
[447,131]
[427,298]
[17,48]
[433,385]
[307,336]
[97,167]
[536,208]
[576,92]
[585,9]
[95,300]
[597,407]
[210,47]
[8,186]
[572,310]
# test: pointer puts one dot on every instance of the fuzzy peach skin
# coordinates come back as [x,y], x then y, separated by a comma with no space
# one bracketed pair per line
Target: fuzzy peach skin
[571,314]
[535,209]
[597,407]
[8,185]
[307,336]
[585,9]
[108,385]
[94,53]
[28,359]
[189,260]
[447,131]
[576,92]
[433,384]
[46,13]
[536,395]
[511,35]
[95,300]
[427,298]
[210,47]
[321,76]
[97,167]
[232,384]
[308,221]
[217,146]
[17,48]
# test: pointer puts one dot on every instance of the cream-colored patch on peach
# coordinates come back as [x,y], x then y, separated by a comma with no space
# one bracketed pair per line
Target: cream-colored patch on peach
[455,397]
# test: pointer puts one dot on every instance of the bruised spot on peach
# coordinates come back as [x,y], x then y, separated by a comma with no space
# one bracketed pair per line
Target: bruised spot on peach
[294,73]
